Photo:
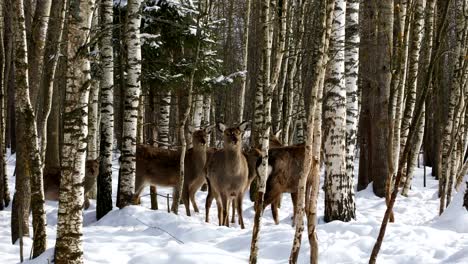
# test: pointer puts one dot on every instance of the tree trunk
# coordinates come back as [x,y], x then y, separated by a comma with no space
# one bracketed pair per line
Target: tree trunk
[417,115]
[270,74]
[245,57]
[104,180]
[351,77]
[30,151]
[69,242]
[376,77]
[339,192]
[185,115]
[4,192]
[46,88]
[36,53]
[132,96]
[313,142]
[197,110]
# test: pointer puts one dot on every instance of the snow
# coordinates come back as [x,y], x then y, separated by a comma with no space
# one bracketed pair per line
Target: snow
[137,234]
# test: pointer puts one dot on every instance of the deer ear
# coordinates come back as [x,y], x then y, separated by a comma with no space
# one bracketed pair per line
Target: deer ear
[208,129]
[278,133]
[243,126]
[191,129]
[221,126]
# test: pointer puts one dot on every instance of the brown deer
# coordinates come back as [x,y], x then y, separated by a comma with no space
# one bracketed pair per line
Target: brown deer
[156,166]
[52,181]
[227,174]
[286,169]
[252,155]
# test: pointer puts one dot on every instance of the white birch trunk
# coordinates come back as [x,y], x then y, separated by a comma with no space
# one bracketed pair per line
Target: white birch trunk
[93,121]
[163,124]
[206,114]
[30,151]
[351,76]
[69,243]
[240,112]
[413,64]
[197,110]
[132,96]
[339,191]
[104,180]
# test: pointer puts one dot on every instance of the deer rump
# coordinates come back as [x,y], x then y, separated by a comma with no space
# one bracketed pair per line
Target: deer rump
[286,165]
[53,175]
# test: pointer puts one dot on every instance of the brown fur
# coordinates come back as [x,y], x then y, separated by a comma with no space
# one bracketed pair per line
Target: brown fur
[156,166]
[287,165]
[53,175]
[228,175]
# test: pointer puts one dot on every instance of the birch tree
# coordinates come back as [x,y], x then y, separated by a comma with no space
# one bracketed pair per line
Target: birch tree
[351,78]
[386,7]
[30,151]
[104,180]
[132,96]
[4,190]
[313,141]
[426,43]
[69,243]
[339,192]
[164,113]
[245,57]
[270,72]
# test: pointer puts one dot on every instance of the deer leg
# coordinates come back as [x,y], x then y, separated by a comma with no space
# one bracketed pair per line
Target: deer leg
[209,200]
[239,210]
[185,198]
[233,217]
[294,201]
[86,202]
[274,211]
[194,203]
[225,206]
[138,189]
[307,198]
[220,211]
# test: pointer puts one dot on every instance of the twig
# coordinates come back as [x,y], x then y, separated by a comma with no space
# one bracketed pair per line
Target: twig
[160,229]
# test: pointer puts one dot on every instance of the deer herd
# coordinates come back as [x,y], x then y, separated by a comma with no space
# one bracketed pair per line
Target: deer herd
[228,171]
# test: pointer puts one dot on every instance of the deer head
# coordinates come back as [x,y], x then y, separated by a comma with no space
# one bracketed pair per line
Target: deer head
[233,135]
[200,137]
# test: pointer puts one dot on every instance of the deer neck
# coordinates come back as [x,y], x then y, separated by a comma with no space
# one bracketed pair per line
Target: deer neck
[199,152]
[233,152]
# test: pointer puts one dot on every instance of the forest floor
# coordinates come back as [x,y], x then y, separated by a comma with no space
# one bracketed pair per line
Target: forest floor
[137,234]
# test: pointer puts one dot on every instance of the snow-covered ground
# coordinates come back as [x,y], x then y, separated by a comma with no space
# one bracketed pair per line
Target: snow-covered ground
[137,234]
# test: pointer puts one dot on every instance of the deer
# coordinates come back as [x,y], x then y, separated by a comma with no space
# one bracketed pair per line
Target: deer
[53,175]
[286,168]
[157,166]
[227,174]
[251,155]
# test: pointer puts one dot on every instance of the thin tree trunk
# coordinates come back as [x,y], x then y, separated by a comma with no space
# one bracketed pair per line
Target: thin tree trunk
[245,42]
[132,96]
[4,193]
[270,75]
[104,180]
[50,61]
[36,53]
[31,154]
[417,115]
[183,122]
[313,142]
